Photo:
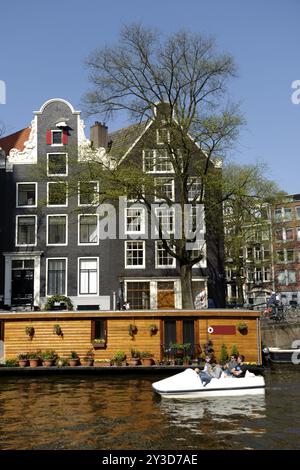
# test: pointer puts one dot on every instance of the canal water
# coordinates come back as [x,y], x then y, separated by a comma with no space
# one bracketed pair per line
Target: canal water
[107,412]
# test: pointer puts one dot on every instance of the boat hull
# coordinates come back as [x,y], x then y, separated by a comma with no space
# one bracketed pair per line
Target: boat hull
[187,385]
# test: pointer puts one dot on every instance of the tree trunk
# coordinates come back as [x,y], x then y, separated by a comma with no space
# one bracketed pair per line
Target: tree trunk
[186,286]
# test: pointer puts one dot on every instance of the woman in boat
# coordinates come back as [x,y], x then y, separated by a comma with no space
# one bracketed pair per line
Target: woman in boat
[241,368]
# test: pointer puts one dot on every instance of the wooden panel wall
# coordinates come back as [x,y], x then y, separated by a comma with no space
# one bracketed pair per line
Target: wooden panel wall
[246,344]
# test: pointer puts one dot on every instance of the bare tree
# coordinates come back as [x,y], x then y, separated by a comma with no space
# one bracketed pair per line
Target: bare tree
[184,72]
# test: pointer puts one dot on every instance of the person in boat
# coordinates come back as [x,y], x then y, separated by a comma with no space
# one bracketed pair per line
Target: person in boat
[240,369]
[230,365]
[209,372]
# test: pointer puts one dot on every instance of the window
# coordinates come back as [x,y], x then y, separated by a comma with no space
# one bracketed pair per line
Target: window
[194,189]
[26,194]
[164,189]
[297,209]
[138,295]
[289,234]
[199,249]
[56,230]
[99,328]
[298,233]
[26,230]
[135,254]
[280,256]
[135,220]
[267,273]
[88,276]
[286,277]
[290,256]
[88,193]
[267,254]
[165,220]
[257,275]
[57,137]
[157,161]
[278,215]
[56,276]
[57,194]
[162,136]
[291,277]
[287,214]
[57,164]
[163,259]
[88,229]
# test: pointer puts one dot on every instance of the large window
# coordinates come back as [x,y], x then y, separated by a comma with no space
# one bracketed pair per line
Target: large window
[26,194]
[165,220]
[56,276]
[88,193]
[163,259]
[25,230]
[135,220]
[57,194]
[138,295]
[135,254]
[157,161]
[88,229]
[194,189]
[57,230]
[88,276]
[164,189]
[57,164]
[57,137]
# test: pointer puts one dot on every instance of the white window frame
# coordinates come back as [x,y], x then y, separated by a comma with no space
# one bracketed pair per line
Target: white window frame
[142,219]
[170,210]
[196,181]
[66,276]
[97,189]
[297,212]
[88,243]
[47,230]
[155,157]
[17,194]
[35,230]
[143,266]
[57,205]
[78,276]
[61,133]
[168,180]
[67,164]
[163,266]
[158,136]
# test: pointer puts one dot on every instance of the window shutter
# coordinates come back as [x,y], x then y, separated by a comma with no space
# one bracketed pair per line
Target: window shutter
[65,138]
[48,138]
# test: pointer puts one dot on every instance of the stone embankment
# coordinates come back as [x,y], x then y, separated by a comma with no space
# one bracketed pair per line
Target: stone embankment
[280,335]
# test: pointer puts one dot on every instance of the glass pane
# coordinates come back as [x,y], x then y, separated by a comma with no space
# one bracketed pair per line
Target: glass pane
[57,194]
[26,194]
[57,230]
[170,333]
[57,164]
[56,137]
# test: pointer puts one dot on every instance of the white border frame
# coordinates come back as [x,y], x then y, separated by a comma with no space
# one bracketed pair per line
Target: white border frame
[67,199]
[35,230]
[67,164]
[155,156]
[157,199]
[17,194]
[47,230]
[143,266]
[56,145]
[78,230]
[78,276]
[143,220]
[87,205]
[158,266]
[66,276]
[172,210]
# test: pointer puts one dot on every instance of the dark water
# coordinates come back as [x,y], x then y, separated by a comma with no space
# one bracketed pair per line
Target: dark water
[123,413]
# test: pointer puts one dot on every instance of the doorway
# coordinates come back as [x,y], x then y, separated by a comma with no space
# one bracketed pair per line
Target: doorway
[22,282]
[165,295]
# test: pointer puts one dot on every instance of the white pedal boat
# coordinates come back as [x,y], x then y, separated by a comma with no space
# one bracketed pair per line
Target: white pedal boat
[187,384]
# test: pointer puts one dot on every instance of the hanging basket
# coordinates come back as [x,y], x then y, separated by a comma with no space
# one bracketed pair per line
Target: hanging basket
[132,330]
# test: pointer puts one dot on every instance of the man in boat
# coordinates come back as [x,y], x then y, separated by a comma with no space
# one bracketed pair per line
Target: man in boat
[240,369]
[230,365]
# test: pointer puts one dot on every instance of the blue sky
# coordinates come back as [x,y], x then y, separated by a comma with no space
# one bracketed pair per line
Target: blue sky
[44,44]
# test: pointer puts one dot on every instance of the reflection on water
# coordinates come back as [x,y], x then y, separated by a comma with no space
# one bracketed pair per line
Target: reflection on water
[124,413]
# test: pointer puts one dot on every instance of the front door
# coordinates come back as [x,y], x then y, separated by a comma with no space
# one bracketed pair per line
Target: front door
[165,295]
[22,282]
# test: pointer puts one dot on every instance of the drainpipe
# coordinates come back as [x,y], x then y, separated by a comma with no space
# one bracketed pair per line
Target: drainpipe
[114,300]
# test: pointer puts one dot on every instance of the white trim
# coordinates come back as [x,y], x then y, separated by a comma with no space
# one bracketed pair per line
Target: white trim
[35,230]
[171,210]
[61,133]
[168,180]
[47,230]
[67,164]
[53,100]
[66,275]
[17,194]
[155,156]
[158,130]
[67,199]
[78,276]
[143,266]
[137,140]
[142,219]
[158,266]
[78,231]
[97,189]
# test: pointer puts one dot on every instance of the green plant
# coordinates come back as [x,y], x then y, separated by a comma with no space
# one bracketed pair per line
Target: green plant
[57,330]
[23,356]
[223,354]
[61,362]
[11,363]
[73,355]
[29,330]
[234,350]
[132,330]
[145,354]
[153,329]
[242,326]
[35,354]
[89,355]
[58,298]
[99,341]
[135,353]
[103,360]
[120,356]
[49,354]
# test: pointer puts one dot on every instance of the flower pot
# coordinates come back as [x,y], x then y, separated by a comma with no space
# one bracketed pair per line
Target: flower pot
[134,361]
[102,364]
[34,362]
[73,362]
[48,362]
[99,345]
[23,363]
[88,362]
[147,361]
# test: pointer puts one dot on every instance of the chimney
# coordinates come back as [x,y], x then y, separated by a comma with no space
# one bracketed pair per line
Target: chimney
[99,135]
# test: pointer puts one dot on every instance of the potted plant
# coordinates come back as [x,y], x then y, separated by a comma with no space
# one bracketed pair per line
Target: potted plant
[99,343]
[23,359]
[119,359]
[57,330]
[49,357]
[153,330]
[147,358]
[89,358]
[102,363]
[29,330]
[135,358]
[59,302]
[73,359]
[132,330]
[242,327]
[34,358]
